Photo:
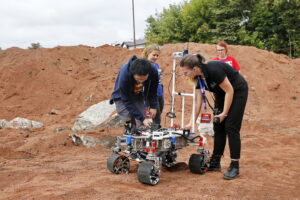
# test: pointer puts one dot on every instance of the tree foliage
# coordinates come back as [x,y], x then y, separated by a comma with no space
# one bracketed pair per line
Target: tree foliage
[35,46]
[267,24]
[168,26]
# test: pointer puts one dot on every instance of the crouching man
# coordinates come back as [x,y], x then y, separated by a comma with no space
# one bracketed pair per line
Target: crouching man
[135,91]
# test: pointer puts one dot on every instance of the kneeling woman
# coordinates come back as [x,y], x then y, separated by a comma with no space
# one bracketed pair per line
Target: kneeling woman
[231,91]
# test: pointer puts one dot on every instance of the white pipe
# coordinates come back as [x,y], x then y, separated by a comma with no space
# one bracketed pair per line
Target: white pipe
[173,90]
[182,112]
[193,111]
[184,94]
[193,95]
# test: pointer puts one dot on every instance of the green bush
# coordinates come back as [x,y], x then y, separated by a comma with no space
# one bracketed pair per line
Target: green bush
[35,46]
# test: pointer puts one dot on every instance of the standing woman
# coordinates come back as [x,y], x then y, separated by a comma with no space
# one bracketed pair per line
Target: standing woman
[222,51]
[231,91]
[151,53]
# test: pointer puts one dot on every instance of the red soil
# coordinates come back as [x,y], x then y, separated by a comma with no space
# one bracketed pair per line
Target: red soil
[44,164]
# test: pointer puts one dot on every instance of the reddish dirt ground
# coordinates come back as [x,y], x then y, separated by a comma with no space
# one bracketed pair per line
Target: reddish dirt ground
[44,163]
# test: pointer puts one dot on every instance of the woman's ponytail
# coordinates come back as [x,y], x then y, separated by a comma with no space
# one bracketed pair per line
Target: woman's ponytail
[201,59]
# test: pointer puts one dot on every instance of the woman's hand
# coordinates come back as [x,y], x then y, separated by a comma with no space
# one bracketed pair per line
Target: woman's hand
[222,117]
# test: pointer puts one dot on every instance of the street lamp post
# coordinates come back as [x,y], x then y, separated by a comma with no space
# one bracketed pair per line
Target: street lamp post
[134,45]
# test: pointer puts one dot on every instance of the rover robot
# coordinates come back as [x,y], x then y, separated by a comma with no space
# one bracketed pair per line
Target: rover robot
[156,148]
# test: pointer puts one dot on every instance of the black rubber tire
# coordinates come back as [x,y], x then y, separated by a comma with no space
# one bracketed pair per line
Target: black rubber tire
[117,164]
[167,160]
[197,165]
[147,174]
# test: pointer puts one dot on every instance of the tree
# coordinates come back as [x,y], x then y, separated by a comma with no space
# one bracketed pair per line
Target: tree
[230,16]
[266,24]
[277,25]
[166,27]
[196,21]
[35,46]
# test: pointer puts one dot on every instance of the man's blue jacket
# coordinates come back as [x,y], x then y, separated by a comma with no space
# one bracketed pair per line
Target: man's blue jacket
[124,89]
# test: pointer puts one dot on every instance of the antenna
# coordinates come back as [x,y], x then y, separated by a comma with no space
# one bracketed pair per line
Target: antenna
[186,51]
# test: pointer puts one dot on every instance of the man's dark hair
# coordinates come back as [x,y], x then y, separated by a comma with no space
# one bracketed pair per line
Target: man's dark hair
[140,67]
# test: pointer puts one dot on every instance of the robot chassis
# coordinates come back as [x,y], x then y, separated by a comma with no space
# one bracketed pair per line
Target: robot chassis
[156,148]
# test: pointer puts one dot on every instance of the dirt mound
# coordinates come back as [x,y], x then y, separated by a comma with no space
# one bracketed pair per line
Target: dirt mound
[44,164]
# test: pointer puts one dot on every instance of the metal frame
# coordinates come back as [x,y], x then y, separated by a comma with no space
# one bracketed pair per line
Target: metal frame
[176,56]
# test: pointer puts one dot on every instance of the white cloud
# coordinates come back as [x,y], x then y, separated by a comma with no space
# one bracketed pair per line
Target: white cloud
[66,22]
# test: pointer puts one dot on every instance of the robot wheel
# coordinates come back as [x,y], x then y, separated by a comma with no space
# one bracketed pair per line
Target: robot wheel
[197,164]
[117,164]
[147,173]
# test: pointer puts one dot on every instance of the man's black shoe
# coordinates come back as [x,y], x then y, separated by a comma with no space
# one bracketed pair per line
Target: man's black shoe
[215,163]
[233,171]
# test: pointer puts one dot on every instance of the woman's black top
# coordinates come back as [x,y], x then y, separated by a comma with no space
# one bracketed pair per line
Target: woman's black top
[214,74]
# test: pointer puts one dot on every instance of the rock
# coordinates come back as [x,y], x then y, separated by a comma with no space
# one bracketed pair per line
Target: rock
[23,123]
[274,87]
[90,98]
[114,120]
[68,91]
[294,97]
[59,129]
[95,116]
[87,141]
[54,112]
[108,141]
[4,124]
[76,139]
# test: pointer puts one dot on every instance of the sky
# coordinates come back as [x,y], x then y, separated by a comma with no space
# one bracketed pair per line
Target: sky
[74,22]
